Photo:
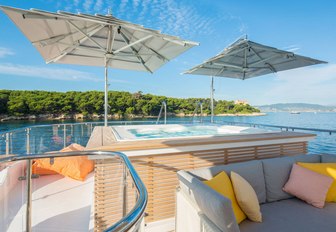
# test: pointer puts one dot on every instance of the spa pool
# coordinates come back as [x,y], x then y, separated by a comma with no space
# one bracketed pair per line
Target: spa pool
[144,132]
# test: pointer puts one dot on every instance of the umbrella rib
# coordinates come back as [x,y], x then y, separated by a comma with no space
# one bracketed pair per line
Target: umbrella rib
[57,38]
[86,35]
[245,59]
[74,46]
[220,71]
[263,60]
[257,54]
[109,39]
[133,43]
[99,57]
[228,65]
[84,48]
[94,49]
[271,67]
[134,50]
[113,40]
[152,50]
[228,53]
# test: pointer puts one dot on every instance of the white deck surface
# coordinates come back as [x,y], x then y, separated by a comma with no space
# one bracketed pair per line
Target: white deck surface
[59,203]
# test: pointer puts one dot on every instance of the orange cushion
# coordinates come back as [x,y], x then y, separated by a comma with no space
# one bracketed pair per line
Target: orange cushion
[73,147]
[41,171]
[77,167]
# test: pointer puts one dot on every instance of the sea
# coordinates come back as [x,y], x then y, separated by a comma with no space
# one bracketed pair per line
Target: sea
[324,142]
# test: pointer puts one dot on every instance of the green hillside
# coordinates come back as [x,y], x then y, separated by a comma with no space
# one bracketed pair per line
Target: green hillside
[20,103]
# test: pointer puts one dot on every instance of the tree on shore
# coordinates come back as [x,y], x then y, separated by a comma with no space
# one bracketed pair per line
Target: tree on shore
[123,104]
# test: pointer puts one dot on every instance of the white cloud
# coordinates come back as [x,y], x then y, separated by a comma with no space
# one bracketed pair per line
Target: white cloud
[47,73]
[292,48]
[310,84]
[5,52]
[170,16]
[87,5]
[122,6]
[61,74]
[99,5]
[136,3]
[76,2]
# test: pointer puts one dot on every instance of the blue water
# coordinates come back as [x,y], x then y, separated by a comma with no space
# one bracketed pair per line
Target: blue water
[167,133]
[324,143]
[189,130]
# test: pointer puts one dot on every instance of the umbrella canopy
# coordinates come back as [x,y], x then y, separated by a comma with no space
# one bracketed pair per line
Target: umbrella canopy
[246,59]
[96,40]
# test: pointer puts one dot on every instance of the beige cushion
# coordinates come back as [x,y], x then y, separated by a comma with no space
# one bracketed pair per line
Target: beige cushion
[246,197]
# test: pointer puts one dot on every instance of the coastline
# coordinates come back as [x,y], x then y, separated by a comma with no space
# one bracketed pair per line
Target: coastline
[241,115]
[5,118]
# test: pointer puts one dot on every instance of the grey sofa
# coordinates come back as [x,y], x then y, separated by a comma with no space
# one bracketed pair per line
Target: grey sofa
[200,208]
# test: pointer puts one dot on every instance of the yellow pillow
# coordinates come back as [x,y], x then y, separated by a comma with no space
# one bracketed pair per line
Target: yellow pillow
[222,184]
[246,197]
[328,169]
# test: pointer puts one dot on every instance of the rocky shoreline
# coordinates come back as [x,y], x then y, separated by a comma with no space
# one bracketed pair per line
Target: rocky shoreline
[241,115]
[4,118]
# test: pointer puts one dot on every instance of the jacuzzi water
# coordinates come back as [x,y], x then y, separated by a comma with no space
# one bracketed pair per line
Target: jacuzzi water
[143,132]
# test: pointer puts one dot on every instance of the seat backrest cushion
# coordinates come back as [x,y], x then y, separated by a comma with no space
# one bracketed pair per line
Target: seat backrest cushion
[251,171]
[277,171]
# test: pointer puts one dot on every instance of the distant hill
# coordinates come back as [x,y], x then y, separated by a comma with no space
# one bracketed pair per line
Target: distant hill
[301,107]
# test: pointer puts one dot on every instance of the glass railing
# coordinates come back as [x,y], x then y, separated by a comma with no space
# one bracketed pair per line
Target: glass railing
[323,143]
[44,138]
[54,137]
[48,138]
[54,203]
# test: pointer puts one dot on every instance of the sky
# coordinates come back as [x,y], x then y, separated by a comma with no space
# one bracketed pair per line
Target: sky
[304,27]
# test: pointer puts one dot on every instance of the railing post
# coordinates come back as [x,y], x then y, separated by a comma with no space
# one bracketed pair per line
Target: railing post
[64,136]
[88,129]
[29,195]
[11,142]
[124,186]
[28,140]
[165,110]
[201,104]
[7,143]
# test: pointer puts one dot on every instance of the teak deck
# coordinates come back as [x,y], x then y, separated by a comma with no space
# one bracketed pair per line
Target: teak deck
[158,171]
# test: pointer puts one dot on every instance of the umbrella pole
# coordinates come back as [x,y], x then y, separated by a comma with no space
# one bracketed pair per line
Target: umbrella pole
[106,96]
[212,99]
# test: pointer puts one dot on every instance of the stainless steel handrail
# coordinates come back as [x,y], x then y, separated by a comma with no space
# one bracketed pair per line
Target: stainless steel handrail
[124,224]
[287,128]
[164,108]
[198,105]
